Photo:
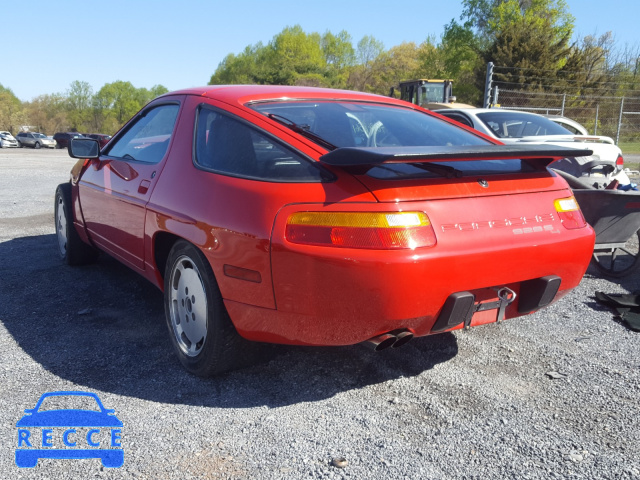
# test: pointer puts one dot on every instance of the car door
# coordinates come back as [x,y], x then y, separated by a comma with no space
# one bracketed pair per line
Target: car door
[115,188]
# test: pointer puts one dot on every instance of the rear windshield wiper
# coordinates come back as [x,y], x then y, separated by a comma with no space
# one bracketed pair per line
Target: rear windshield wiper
[302,130]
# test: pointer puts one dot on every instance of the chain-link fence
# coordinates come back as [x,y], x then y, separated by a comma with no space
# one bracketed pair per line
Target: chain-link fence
[615,117]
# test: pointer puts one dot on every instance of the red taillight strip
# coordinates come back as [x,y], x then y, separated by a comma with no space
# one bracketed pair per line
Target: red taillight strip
[366,230]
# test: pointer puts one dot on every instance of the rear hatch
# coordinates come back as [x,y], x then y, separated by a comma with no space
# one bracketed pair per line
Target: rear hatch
[478,199]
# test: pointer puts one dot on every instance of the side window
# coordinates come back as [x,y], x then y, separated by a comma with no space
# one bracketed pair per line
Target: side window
[226,145]
[148,138]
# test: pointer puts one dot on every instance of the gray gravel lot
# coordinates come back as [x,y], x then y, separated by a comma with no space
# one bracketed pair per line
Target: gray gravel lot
[472,404]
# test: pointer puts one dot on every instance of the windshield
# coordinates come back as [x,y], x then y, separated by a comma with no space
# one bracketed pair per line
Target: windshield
[432,93]
[518,125]
[353,124]
[67,402]
[39,135]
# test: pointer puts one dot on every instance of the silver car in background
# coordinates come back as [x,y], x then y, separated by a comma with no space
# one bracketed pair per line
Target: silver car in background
[35,140]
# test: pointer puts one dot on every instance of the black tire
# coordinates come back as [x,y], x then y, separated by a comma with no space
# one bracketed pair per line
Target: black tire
[19,145]
[37,145]
[200,329]
[72,250]
[621,261]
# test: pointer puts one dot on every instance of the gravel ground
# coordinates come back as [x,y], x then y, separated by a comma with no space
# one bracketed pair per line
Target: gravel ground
[471,404]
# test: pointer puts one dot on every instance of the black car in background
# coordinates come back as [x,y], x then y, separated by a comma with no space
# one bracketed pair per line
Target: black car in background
[101,137]
[62,138]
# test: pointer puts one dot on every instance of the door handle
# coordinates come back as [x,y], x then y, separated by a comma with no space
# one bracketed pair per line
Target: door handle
[144,187]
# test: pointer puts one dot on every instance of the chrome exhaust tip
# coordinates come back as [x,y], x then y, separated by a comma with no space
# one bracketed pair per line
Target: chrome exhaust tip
[402,338]
[381,342]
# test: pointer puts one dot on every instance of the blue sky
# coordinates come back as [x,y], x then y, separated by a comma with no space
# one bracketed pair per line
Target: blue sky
[47,45]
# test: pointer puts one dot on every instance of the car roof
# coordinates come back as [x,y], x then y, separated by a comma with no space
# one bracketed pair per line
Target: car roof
[72,393]
[485,110]
[252,93]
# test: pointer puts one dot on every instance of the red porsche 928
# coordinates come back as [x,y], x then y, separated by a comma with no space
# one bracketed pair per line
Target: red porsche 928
[320,217]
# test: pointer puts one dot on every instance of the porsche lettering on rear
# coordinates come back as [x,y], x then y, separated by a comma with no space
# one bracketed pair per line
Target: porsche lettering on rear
[503,223]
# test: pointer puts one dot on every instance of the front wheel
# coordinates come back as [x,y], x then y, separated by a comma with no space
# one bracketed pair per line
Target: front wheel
[37,145]
[201,331]
[72,250]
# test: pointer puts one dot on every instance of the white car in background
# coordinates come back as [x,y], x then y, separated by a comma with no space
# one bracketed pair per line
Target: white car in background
[7,140]
[509,126]
[571,125]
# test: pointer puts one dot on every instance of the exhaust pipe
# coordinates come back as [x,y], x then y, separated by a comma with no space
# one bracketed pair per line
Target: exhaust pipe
[381,342]
[394,339]
[402,338]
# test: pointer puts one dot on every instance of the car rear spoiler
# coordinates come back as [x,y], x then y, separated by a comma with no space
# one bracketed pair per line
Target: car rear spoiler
[363,158]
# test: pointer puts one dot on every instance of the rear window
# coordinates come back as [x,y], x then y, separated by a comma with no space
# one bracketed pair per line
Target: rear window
[518,125]
[354,124]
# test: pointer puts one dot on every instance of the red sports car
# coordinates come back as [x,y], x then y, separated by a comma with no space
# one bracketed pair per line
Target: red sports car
[320,217]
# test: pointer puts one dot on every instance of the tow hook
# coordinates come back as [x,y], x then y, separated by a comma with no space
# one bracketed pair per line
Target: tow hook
[506,297]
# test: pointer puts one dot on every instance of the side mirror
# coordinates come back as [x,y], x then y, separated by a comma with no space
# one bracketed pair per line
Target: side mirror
[84,148]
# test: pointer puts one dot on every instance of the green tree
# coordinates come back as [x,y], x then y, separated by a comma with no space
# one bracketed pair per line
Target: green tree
[79,99]
[120,99]
[532,52]
[487,18]
[367,52]
[295,56]
[457,57]
[48,113]
[530,37]
[292,57]
[11,111]
[339,56]
[392,66]
[245,68]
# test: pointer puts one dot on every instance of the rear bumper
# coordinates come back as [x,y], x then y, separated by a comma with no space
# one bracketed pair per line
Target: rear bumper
[336,296]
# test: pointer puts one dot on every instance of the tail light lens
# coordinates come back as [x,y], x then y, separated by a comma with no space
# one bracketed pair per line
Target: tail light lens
[370,230]
[619,161]
[570,213]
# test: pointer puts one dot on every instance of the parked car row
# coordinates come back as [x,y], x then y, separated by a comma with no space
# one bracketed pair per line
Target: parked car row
[63,138]
[39,140]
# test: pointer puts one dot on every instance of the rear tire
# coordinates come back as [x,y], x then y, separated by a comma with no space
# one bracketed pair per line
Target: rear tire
[72,250]
[201,331]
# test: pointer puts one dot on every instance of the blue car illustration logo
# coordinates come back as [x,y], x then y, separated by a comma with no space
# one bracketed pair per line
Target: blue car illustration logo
[50,431]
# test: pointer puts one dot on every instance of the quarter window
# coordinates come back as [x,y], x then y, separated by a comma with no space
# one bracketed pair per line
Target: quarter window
[226,145]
